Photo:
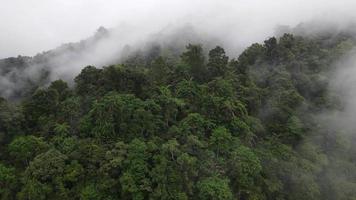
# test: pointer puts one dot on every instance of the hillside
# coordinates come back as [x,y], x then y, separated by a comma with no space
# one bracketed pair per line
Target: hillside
[198,125]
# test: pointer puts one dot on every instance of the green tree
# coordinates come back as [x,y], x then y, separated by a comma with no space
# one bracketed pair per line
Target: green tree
[195,59]
[123,116]
[159,71]
[135,180]
[87,81]
[217,64]
[44,177]
[62,89]
[8,182]
[24,148]
[40,107]
[195,124]
[11,123]
[214,188]
[220,140]
[244,168]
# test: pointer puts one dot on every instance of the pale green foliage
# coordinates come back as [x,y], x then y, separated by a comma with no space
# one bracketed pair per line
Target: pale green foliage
[214,188]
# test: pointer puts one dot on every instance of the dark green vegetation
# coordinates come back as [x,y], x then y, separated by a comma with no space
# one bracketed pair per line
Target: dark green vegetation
[196,126]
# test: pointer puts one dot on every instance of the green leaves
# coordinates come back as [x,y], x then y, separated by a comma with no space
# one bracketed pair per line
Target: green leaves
[214,188]
[8,182]
[195,59]
[47,166]
[244,170]
[121,116]
[170,127]
[220,140]
[44,176]
[135,179]
[159,71]
[195,124]
[217,62]
[25,148]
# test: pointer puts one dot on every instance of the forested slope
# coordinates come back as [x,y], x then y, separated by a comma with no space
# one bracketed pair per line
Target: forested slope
[195,126]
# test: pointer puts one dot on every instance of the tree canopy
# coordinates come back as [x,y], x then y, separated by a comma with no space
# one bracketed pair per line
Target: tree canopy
[195,126]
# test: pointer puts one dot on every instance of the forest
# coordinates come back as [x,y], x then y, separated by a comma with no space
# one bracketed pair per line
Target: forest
[193,125]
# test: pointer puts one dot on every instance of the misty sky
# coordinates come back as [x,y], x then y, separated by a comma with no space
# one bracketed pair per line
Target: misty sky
[32,26]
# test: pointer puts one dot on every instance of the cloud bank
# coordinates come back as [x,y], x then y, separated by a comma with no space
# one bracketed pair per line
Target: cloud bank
[35,26]
[32,26]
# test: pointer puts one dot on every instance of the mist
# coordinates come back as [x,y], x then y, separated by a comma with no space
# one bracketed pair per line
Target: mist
[331,143]
[63,38]
[33,26]
[342,86]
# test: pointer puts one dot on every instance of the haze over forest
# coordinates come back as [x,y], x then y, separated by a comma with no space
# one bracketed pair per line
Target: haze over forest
[144,99]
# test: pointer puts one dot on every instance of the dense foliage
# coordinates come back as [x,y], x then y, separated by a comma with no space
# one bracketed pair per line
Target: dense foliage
[197,126]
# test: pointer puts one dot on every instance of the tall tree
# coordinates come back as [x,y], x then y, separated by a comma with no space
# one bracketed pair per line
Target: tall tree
[195,59]
[217,64]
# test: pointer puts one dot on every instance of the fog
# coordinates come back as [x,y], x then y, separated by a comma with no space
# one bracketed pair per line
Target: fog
[342,84]
[62,35]
[33,26]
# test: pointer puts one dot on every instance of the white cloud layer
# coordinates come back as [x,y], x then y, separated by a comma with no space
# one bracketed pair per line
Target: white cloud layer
[32,26]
